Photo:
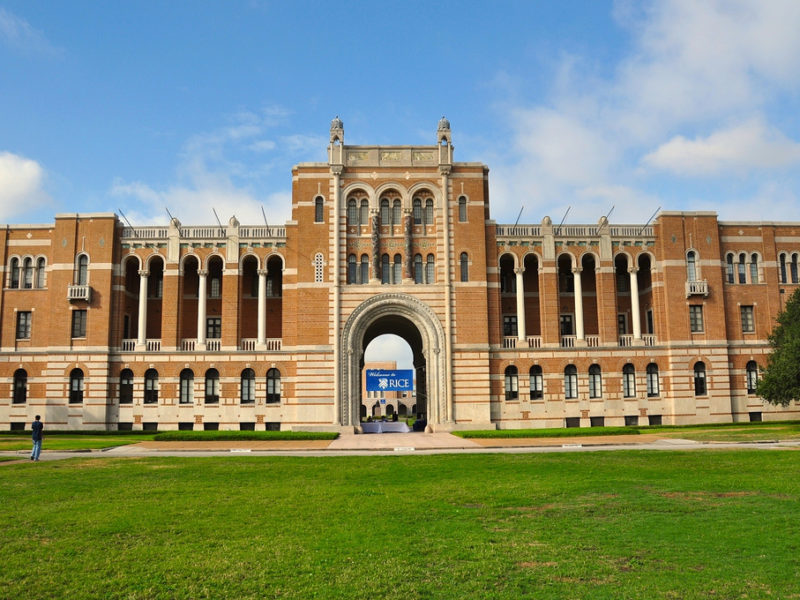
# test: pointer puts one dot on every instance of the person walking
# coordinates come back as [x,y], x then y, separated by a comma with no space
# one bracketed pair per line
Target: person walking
[37,426]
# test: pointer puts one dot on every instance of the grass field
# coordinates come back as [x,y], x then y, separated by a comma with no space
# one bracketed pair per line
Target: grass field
[710,524]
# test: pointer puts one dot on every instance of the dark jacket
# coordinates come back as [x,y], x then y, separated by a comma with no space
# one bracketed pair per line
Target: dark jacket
[37,427]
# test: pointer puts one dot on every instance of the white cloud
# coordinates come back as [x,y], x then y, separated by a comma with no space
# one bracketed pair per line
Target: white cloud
[691,67]
[17,33]
[390,347]
[751,145]
[21,186]
[224,169]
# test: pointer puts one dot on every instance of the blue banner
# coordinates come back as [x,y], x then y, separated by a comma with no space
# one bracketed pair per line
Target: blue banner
[380,380]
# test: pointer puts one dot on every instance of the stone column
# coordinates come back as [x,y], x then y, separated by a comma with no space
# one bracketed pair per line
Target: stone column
[521,334]
[261,341]
[576,279]
[202,275]
[141,340]
[635,316]
[375,235]
[408,224]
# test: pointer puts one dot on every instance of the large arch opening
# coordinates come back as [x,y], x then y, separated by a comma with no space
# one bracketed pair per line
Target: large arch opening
[392,352]
[413,321]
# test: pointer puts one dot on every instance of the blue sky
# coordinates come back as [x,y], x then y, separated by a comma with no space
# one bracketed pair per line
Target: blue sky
[190,106]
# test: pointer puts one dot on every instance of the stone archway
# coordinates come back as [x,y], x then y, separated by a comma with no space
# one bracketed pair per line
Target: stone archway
[412,320]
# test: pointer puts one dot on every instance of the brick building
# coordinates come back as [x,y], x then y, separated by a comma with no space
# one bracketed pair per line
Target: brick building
[108,326]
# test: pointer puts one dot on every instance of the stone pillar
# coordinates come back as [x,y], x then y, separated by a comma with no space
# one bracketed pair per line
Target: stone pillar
[578,287]
[521,333]
[141,340]
[408,224]
[202,296]
[172,308]
[261,341]
[375,235]
[635,316]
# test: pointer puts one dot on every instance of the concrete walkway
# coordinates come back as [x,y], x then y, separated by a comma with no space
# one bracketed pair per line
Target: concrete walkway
[399,443]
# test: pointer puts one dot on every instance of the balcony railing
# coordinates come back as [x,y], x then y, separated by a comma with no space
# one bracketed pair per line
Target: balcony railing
[568,341]
[79,292]
[534,341]
[129,345]
[626,340]
[697,288]
[593,341]
[649,339]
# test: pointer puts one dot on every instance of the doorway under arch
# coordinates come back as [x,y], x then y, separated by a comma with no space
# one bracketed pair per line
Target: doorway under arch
[415,322]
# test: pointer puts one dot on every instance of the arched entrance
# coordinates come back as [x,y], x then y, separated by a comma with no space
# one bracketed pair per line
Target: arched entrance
[415,322]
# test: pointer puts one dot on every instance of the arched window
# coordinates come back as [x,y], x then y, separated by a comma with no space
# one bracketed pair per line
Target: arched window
[428,212]
[752,377]
[462,209]
[20,393]
[385,218]
[186,395]
[273,386]
[14,283]
[429,270]
[729,268]
[418,271]
[212,386]
[364,269]
[397,273]
[512,383]
[352,212]
[793,268]
[782,261]
[351,269]
[40,272]
[385,272]
[652,380]
[570,382]
[126,386]
[628,381]
[248,386]
[691,265]
[741,268]
[27,273]
[150,386]
[396,212]
[700,388]
[464,263]
[75,386]
[318,212]
[595,382]
[536,382]
[82,274]
[417,206]
[754,268]
[364,212]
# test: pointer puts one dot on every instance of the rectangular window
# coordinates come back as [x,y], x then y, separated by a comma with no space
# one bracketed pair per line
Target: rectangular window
[748,323]
[573,422]
[631,420]
[622,323]
[597,421]
[79,323]
[510,325]
[566,325]
[696,319]
[24,325]
[214,328]
[654,420]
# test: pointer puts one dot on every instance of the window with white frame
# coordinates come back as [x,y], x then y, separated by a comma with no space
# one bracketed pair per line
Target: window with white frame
[752,377]
[652,380]
[595,382]
[628,381]
[570,382]
[748,322]
[696,318]
[536,382]
[511,383]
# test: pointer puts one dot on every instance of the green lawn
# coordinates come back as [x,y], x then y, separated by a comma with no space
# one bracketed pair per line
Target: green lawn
[711,524]
[72,441]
